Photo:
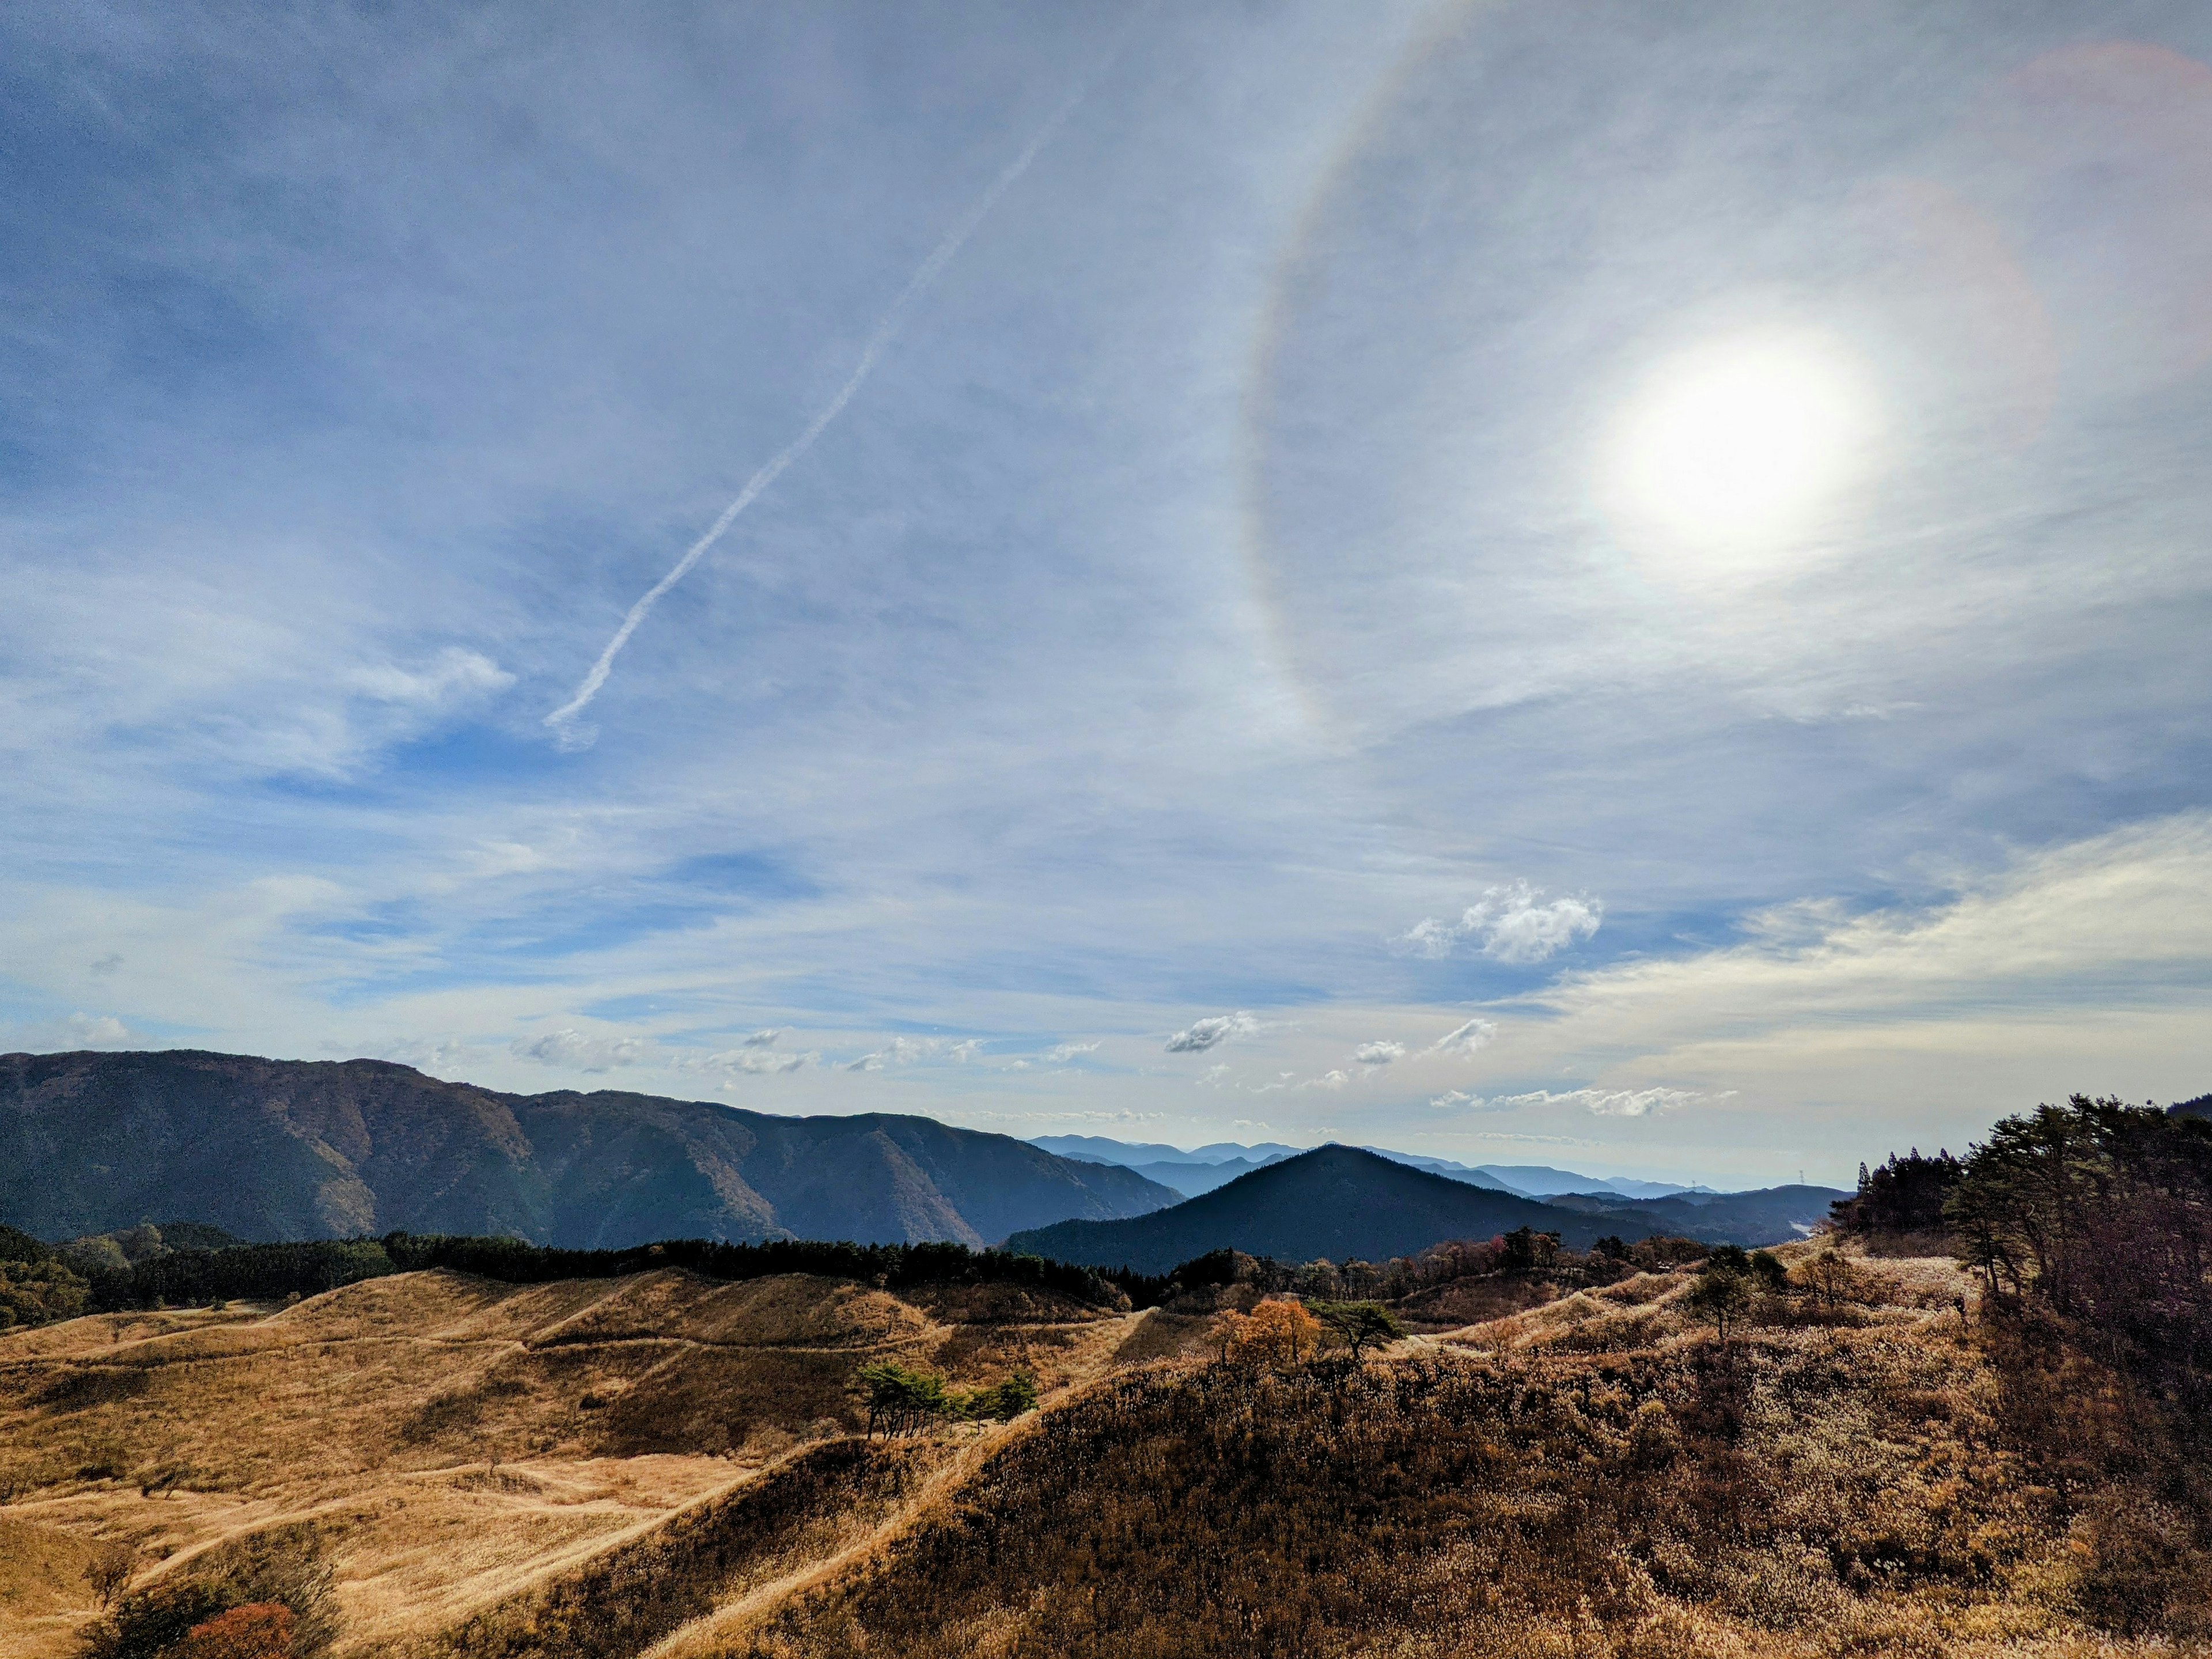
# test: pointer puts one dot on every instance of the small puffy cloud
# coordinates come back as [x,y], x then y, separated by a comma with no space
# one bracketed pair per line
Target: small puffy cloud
[435,1055]
[1599,1103]
[1067,1051]
[1513,923]
[911,1050]
[1464,1039]
[750,1059]
[1379,1054]
[82,1030]
[1329,1079]
[576,1051]
[763,1039]
[1201,1035]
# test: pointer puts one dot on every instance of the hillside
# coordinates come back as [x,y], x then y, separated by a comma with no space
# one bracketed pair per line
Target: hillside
[1770,1215]
[446,1442]
[1334,1201]
[662,1465]
[283,1149]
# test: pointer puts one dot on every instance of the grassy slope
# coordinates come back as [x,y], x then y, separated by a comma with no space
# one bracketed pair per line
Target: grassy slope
[451,1442]
[1588,1478]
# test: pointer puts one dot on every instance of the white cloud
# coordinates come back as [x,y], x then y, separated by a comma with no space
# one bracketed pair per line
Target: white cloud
[574,1051]
[453,676]
[1329,1079]
[1464,1039]
[911,1050]
[755,1060]
[1214,1076]
[763,1039]
[80,1031]
[436,1055]
[1379,1054]
[1067,1051]
[1599,1103]
[1511,924]
[1201,1035]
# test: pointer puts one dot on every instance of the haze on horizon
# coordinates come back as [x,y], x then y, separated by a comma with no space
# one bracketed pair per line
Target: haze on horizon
[1590,586]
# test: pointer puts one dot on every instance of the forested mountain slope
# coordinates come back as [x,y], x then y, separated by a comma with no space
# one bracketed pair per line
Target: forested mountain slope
[286,1149]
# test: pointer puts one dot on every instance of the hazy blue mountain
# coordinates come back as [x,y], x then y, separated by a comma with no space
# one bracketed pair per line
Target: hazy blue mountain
[1770,1215]
[282,1149]
[1542,1181]
[1139,1154]
[1152,1158]
[1336,1201]
[1192,1179]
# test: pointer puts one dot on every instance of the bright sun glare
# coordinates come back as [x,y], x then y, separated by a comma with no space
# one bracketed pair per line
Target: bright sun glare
[1738,447]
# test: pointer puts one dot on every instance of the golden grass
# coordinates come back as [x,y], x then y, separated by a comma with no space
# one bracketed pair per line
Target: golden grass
[664,1464]
[449,1444]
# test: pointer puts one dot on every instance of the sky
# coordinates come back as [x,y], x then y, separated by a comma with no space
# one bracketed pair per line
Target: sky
[1577,583]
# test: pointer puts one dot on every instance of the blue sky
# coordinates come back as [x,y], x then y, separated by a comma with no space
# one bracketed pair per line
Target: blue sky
[1252,657]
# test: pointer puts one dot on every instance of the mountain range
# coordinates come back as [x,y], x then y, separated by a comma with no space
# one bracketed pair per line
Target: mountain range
[289,1149]
[1207,1167]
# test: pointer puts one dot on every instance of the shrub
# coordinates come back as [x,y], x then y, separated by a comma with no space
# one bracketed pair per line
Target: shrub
[259,1630]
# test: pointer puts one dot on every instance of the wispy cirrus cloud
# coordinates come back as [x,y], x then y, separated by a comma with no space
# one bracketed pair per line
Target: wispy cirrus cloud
[1466,1039]
[1599,1103]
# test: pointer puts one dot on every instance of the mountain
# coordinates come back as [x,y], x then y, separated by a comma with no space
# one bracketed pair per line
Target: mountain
[1136,1155]
[1542,1181]
[1192,1179]
[1523,1180]
[289,1149]
[1772,1215]
[1336,1201]
[1444,1166]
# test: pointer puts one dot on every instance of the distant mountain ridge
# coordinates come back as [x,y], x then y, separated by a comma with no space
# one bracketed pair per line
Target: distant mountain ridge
[90,1142]
[1527,1180]
[1336,1201]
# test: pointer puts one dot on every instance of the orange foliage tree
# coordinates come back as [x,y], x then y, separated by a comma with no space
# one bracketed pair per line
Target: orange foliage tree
[1279,1333]
[259,1630]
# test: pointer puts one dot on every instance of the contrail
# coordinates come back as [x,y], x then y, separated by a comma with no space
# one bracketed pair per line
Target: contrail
[560,719]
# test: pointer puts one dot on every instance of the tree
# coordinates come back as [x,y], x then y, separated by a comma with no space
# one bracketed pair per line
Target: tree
[1226,1335]
[1279,1333]
[1830,1277]
[108,1573]
[1904,1195]
[1356,1324]
[1723,1290]
[1005,1400]
[901,1400]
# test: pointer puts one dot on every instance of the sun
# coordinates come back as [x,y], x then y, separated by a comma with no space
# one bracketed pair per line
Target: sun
[1737,447]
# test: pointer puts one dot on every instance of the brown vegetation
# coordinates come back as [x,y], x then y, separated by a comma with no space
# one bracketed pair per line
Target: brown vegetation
[1660,1453]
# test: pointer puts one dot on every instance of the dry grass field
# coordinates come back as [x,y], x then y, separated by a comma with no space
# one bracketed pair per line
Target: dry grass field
[664,1464]
[447,1443]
